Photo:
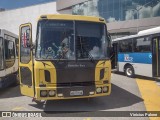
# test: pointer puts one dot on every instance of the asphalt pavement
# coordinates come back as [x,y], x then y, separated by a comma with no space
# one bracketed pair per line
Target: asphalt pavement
[125,96]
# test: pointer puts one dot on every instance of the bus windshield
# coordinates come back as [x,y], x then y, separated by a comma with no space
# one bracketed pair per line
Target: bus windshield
[91,40]
[71,40]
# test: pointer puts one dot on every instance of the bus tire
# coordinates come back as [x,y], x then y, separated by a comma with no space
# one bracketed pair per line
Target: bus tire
[129,71]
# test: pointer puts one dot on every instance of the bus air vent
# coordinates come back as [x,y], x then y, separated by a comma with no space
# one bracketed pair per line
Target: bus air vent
[47,76]
[102,74]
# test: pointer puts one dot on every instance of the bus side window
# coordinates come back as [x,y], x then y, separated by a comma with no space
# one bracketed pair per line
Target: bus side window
[9,53]
[125,46]
[25,51]
[142,44]
[1,54]
[17,45]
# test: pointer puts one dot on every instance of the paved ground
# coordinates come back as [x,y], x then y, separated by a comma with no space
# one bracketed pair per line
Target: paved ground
[125,96]
[150,92]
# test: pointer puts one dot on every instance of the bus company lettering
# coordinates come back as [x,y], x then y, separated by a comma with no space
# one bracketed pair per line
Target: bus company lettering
[128,58]
[76,65]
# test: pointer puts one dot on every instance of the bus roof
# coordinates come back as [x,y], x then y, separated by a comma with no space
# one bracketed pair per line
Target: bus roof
[141,33]
[72,17]
[3,31]
[126,37]
[150,31]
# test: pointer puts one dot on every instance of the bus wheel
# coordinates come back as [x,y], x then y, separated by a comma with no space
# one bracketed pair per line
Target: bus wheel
[129,71]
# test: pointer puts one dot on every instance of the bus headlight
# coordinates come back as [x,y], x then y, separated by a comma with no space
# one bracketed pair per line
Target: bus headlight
[99,90]
[52,93]
[43,93]
[105,89]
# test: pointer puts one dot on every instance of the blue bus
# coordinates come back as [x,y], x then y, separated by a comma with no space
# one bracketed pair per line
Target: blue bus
[138,54]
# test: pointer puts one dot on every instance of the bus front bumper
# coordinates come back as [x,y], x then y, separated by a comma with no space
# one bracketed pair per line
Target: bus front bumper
[55,93]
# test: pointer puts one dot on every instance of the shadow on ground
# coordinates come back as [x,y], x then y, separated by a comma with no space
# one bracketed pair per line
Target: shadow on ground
[136,76]
[118,98]
[118,73]
[10,92]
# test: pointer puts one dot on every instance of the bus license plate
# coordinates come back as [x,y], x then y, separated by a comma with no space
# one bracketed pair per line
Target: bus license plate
[76,93]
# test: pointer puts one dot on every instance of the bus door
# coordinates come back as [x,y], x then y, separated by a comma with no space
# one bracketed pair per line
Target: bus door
[26,60]
[114,55]
[156,57]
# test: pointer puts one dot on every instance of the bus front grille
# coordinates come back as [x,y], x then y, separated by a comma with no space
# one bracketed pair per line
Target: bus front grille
[72,84]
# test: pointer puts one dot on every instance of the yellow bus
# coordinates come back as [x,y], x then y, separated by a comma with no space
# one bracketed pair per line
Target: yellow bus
[71,58]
